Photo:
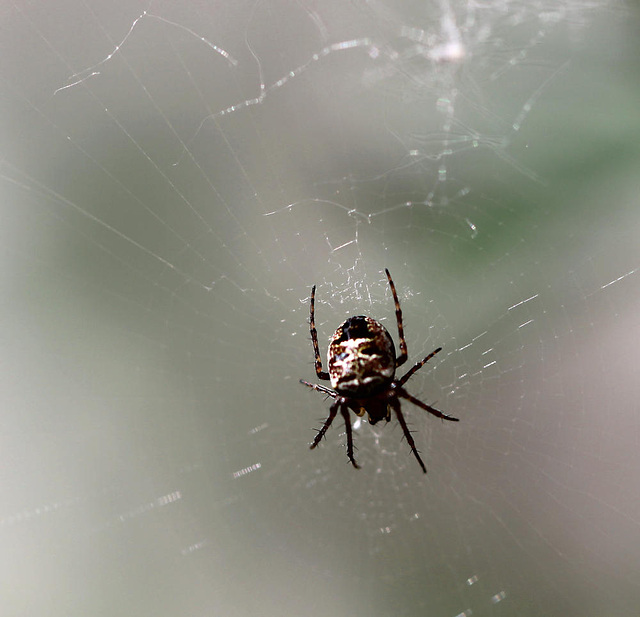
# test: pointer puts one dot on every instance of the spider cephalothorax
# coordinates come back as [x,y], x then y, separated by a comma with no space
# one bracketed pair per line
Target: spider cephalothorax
[362,367]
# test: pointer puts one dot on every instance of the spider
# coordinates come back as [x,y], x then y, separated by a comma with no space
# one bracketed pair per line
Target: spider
[362,370]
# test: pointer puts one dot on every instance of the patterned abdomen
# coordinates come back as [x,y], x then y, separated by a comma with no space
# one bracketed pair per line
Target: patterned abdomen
[361,358]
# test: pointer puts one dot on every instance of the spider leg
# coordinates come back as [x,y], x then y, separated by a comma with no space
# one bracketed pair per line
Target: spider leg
[347,425]
[395,403]
[438,414]
[416,367]
[319,388]
[332,414]
[402,358]
[314,338]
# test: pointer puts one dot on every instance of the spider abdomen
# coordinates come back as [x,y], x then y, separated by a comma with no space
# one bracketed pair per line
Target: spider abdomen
[361,357]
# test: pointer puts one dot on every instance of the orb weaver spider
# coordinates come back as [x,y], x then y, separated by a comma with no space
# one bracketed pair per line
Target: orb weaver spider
[362,365]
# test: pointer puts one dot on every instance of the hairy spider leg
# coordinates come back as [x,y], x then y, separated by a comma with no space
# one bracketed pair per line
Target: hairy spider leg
[332,414]
[342,405]
[438,414]
[417,366]
[395,403]
[402,358]
[314,338]
[319,388]
[347,425]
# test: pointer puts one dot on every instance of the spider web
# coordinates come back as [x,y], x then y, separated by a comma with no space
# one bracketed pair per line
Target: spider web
[177,175]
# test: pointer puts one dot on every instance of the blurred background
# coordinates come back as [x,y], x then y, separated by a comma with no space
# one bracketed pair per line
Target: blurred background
[175,176]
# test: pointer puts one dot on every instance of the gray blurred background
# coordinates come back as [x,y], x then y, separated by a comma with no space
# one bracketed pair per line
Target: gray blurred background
[175,176]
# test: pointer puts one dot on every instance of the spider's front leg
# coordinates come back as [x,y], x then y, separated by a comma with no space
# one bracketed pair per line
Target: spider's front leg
[340,403]
[332,414]
[395,403]
[347,425]
[432,410]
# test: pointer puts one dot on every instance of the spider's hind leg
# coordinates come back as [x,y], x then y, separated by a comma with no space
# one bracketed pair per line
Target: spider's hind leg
[402,358]
[314,338]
